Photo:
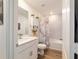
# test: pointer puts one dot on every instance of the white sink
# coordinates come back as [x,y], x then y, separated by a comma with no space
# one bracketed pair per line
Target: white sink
[26,39]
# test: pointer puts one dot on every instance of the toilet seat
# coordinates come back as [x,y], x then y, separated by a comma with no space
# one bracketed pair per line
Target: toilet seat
[41,46]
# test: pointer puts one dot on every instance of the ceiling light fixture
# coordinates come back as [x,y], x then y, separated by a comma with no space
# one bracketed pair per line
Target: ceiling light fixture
[43,5]
[51,13]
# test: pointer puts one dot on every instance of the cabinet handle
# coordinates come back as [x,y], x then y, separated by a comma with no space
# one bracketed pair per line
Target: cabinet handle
[31,53]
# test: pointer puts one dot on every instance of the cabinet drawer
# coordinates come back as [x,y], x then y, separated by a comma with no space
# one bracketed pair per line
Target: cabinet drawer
[26,46]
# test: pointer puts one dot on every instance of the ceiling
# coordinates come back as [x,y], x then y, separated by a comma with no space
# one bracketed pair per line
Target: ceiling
[46,6]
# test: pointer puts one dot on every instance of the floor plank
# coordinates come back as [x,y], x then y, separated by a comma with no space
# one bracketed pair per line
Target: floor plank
[51,54]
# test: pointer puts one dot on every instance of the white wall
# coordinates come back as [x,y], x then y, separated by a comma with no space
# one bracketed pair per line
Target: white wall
[66,29]
[69,47]
[1,41]
[1,6]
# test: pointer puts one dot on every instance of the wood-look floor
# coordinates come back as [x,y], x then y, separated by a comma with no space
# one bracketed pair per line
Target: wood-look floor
[51,54]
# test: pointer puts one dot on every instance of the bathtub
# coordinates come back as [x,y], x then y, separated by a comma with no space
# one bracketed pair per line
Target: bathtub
[55,44]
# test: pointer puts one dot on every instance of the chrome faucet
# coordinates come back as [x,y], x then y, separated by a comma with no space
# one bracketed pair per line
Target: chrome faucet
[20,36]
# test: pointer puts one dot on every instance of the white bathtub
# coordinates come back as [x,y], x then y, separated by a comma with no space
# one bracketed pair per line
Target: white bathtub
[56,44]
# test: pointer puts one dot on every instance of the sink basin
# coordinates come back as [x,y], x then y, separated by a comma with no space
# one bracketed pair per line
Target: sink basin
[25,39]
[28,37]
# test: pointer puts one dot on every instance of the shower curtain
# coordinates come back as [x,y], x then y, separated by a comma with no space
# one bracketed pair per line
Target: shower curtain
[44,31]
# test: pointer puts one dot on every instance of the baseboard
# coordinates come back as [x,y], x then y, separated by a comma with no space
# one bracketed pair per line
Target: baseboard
[54,50]
[64,56]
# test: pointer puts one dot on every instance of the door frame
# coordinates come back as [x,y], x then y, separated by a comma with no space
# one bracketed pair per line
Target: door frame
[9,37]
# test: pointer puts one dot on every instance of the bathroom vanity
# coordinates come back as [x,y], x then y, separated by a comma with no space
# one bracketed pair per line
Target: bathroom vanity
[27,48]
[26,44]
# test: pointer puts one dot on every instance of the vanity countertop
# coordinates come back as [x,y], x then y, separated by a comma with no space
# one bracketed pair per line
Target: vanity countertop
[25,40]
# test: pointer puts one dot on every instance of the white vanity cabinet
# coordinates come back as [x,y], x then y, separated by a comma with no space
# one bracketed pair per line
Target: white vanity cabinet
[23,54]
[27,50]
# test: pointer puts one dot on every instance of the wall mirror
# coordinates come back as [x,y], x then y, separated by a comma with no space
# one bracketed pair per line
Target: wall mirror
[23,22]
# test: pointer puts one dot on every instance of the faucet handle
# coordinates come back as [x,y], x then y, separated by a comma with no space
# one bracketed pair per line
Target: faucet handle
[61,39]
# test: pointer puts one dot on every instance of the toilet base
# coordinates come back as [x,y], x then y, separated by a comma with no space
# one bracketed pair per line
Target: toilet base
[41,52]
[41,48]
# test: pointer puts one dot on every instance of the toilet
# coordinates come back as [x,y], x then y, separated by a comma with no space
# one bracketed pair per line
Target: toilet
[41,48]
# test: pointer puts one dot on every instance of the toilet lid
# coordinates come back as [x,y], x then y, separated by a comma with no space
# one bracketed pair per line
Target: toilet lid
[41,46]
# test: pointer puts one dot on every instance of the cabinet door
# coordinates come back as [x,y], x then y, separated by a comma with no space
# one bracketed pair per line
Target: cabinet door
[28,53]
[33,52]
[25,54]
